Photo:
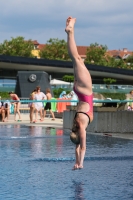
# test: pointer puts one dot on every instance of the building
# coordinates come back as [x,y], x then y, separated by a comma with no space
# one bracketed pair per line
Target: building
[82,50]
[120,54]
[10,65]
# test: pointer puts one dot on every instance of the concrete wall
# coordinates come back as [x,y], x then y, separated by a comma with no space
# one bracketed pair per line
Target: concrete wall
[104,122]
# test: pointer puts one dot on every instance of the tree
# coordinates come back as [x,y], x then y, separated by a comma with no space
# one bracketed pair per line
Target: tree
[112,62]
[129,61]
[109,81]
[55,49]
[96,54]
[68,78]
[17,47]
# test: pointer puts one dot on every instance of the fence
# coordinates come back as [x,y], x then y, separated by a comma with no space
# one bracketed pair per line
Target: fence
[59,105]
[7,87]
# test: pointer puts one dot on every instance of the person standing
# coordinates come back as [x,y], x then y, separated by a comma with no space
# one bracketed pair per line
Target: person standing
[2,111]
[130,97]
[48,104]
[32,105]
[16,104]
[83,89]
[38,105]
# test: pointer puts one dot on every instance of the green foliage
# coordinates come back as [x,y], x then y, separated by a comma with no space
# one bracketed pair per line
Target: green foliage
[116,63]
[68,78]
[4,95]
[17,47]
[130,61]
[55,49]
[58,91]
[120,96]
[109,80]
[96,54]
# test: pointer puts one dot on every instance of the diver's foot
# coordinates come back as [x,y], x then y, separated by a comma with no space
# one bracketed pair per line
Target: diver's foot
[75,167]
[70,24]
[80,166]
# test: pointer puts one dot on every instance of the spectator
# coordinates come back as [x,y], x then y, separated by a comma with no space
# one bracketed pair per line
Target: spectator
[6,105]
[2,111]
[63,94]
[130,104]
[73,96]
[39,105]
[32,105]
[16,104]
[48,104]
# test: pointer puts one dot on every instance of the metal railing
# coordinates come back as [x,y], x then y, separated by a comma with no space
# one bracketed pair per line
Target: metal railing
[54,100]
[24,108]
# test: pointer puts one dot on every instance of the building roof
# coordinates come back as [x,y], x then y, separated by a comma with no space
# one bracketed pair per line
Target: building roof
[120,53]
[82,50]
[41,46]
[35,42]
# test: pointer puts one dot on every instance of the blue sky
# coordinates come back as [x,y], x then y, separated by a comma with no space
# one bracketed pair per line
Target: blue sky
[105,22]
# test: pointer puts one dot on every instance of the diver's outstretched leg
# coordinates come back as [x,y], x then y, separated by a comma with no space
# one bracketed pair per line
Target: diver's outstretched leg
[82,75]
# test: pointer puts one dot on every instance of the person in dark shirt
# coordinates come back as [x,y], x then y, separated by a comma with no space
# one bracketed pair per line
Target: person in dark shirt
[48,104]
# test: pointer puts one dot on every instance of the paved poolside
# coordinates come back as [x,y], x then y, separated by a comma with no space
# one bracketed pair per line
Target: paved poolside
[58,122]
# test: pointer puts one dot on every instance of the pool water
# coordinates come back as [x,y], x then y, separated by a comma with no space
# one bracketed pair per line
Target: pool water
[36,164]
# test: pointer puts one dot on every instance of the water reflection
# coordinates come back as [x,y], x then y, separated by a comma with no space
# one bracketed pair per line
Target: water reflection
[49,140]
[24,164]
[38,140]
[78,188]
[36,131]
[16,130]
[42,141]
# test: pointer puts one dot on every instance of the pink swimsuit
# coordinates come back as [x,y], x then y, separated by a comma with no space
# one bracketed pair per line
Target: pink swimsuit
[88,99]
[14,98]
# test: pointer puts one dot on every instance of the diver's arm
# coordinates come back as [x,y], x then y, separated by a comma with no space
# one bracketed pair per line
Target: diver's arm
[82,134]
[77,156]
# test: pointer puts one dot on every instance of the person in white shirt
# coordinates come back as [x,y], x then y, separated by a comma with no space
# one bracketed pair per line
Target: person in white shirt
[73,96]
[39,105]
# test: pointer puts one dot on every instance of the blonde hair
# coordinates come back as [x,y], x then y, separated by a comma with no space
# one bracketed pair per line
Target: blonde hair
[74,137]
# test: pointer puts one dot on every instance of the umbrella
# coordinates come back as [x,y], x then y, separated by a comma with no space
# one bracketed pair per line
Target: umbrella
[58,82]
